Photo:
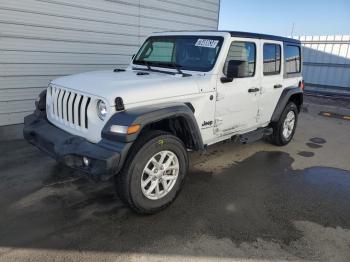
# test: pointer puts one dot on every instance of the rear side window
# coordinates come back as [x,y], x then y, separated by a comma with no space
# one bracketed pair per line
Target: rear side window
[292,59]
[245,53]
[272,59]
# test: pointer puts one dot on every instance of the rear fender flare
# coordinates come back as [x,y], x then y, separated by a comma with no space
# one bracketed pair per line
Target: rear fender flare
[284,99]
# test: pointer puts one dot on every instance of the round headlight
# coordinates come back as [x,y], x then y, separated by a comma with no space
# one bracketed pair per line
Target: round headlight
[101,109]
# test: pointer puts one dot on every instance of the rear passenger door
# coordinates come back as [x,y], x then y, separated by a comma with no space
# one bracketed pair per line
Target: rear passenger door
[271,86]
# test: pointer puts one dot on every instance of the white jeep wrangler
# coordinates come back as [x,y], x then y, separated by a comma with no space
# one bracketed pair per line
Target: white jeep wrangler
[182,91]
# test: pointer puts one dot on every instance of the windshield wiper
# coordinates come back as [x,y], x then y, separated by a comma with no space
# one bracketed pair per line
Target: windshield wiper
[173,65]
[160,64]
[177,67]
[143,62]
[146,63]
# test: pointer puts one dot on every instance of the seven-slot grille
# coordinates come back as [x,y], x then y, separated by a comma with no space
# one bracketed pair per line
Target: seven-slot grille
[69,108]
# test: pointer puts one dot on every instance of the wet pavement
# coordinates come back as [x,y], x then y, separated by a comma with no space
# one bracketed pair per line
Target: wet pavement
[239,202]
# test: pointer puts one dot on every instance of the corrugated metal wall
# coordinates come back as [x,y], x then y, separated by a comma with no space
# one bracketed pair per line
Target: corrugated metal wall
[43,39]
[326,63]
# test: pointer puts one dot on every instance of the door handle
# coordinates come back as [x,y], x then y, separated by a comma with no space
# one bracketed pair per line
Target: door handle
[277,86]
[253,90]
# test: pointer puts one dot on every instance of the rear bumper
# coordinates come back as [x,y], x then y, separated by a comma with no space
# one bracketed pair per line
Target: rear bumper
[105,158]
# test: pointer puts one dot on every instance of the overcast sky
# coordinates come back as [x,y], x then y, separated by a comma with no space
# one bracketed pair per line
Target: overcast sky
[310,17]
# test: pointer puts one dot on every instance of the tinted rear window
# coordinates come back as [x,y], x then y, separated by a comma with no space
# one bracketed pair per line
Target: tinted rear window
[292,59]
[272,59]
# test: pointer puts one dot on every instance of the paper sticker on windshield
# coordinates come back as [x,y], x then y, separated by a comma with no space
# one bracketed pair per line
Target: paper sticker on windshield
[207,43]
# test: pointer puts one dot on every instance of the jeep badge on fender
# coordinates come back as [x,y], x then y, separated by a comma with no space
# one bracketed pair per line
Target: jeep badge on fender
[207,123]
[138,124]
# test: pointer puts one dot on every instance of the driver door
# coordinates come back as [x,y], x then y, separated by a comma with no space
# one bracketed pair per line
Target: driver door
[237,100]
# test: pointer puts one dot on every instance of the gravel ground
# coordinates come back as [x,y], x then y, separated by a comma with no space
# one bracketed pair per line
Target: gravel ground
[250,202]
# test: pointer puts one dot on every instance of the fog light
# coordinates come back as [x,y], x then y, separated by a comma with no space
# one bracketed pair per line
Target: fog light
[86,161]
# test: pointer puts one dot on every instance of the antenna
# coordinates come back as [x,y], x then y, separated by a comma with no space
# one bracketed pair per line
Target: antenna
[291,34]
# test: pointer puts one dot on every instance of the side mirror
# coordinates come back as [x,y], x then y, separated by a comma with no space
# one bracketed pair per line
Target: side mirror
[235,69]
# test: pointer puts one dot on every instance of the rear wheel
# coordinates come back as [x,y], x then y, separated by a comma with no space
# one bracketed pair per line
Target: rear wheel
[153,173]
[284,129]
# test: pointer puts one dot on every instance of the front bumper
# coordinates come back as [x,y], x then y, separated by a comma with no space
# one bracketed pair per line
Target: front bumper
[106,157]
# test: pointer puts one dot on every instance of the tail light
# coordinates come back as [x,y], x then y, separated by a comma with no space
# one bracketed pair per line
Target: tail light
[301,85]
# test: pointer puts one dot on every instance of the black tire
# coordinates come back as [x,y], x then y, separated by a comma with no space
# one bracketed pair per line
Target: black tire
[277,138]
[128,181]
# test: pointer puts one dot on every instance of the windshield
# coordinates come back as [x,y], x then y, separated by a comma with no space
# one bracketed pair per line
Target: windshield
[194,53]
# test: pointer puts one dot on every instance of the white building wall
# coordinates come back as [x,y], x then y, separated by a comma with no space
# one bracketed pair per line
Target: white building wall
[44,39]
[326,62]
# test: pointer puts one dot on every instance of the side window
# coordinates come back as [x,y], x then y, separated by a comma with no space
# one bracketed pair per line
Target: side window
[292,59]
[160,51]
[245,53]
[272,59]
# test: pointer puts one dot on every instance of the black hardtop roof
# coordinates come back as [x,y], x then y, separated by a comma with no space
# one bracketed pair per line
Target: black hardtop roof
[250,35]
[263,36]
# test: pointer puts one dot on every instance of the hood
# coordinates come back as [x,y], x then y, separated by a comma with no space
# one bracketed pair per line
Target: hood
[128,85]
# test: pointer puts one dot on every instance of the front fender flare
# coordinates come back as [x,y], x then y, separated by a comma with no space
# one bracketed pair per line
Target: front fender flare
[146,115]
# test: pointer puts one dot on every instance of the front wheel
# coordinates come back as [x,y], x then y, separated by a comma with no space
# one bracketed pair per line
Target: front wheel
[153,173]
[284,129]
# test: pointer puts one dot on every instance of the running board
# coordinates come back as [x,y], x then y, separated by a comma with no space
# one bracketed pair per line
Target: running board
[255,135]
